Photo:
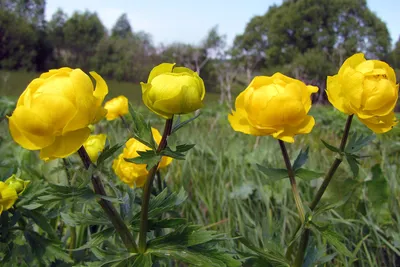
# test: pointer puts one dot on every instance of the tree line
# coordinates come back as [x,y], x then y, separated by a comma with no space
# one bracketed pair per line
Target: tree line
[306,39]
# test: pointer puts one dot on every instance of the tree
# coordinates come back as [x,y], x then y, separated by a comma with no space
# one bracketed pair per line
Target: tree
[82,32]
[56,34]
[32,11]
[122,28]
[288,35]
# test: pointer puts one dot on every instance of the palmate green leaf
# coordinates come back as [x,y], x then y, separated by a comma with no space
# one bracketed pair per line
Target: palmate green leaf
[193,245]
[178,124]
[143,260]
[308,175]
[301,159]
[165,201]
[330,147]
[332,238]
[273,174]
[148,157]
[268,257]
[107,152]
[46,250]
[33,190]
[97,239]
[41,221]
[179,151]
[141,129]
[356,143]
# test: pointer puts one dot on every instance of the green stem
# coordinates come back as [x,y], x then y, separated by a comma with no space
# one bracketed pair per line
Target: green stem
[338,160]
[147,189]
[126,125]
[108,208]
[296,195]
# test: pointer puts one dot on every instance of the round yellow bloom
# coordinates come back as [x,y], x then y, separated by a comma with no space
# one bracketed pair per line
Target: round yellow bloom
[55,110]
[18,184]
[131,173]
[366,88]
[116,107]
[173,90]
[276,105]
[94,145]
[8,196]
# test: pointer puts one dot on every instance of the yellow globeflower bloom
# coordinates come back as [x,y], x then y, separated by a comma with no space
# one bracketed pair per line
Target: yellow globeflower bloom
[55,110]
[276,106]
[8,196]
[173,90]
[94,145]
[18,184]
[131,173]
[116,107]
[366,88]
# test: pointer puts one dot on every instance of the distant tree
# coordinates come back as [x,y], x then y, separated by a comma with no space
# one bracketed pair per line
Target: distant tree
[122,28]
[31,10]
[289,35]
[82,32]
[55,29]
[18,41]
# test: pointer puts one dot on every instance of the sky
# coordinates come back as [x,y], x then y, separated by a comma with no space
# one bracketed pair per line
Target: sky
[188,21]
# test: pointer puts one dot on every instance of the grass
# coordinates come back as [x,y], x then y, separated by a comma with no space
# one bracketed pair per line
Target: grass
[226,192]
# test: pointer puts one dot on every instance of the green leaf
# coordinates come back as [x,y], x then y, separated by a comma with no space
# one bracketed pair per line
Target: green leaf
[273,174]
[97,239]
[148,157]
[92,218]
[46,250]
[180,124]
[41,221]
[166,223]
[308,175]
[270,257]
[108,152]
[178,153]
[332,238]
[356,143]
[301,159]
[142,130]
[351,159]
[143,260]
[330,147]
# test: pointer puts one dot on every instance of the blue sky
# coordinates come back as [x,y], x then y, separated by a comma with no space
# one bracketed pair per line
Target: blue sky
[189,21]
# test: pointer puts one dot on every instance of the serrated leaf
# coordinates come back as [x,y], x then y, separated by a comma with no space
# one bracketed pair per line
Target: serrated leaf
[301,159]
[356,143]
[97,239]
[332,238]
[148,157]
[32,206]
[75,219]
[330,147]
[107,152]
[166,223]
[353,163]
[178,153]
[41,221]
[273,174]
[143,260]
[308,175]
[180,124]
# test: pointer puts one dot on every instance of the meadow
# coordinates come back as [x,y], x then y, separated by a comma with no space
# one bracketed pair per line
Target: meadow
[226,192]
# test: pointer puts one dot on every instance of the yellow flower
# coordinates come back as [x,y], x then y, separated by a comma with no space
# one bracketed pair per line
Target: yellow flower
[366,88]
[116,107]
[18,184]
[131,173]
[276,105]
[55,110]
[173,90]
[94,145]
[8,196]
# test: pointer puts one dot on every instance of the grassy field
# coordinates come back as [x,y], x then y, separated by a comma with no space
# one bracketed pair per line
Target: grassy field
[226,191]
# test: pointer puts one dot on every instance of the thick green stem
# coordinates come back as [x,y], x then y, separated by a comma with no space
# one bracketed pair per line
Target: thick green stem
[119,225]
[296,195]
[338,160]
[147,189]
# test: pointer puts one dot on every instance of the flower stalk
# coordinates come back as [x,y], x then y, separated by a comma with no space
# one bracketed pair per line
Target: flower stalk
[338,160]
[108,208]
[144,220]
[296,195]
